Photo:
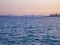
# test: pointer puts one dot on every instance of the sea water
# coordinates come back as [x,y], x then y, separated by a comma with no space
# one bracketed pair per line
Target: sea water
[16,30]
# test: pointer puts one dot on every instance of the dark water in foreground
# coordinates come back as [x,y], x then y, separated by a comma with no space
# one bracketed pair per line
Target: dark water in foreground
[29,30]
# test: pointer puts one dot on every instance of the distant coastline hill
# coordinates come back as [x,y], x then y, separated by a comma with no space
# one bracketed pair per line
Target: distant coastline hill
[54,15]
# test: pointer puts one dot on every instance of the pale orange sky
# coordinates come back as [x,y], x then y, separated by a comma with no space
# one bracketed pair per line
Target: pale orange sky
[18,7]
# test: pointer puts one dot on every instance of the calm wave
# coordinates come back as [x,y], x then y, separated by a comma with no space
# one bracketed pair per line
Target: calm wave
[29,30]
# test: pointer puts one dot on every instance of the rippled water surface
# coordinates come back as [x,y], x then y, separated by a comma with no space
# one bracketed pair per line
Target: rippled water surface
[29,30]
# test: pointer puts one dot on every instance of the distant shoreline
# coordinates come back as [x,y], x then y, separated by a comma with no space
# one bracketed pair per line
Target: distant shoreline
[51,15]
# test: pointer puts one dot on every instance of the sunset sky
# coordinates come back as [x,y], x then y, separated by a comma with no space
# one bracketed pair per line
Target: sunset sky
[21,7]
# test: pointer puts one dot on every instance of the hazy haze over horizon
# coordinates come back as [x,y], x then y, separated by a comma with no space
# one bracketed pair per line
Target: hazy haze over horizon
[20,7]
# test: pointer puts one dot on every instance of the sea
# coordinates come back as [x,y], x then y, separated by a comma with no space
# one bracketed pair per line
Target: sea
[22,30]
